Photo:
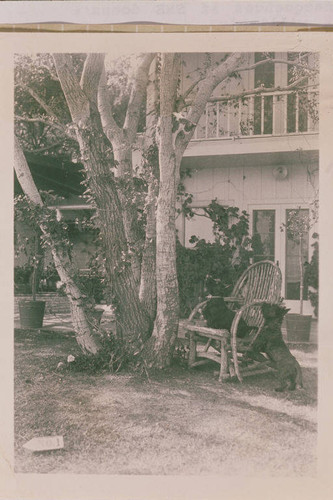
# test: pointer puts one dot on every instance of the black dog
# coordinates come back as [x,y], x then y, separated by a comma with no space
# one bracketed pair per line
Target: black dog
[214,287]
[218,315]
[271,342]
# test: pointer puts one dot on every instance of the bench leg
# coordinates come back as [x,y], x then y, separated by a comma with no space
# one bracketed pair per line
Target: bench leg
[192,350]
[224,361]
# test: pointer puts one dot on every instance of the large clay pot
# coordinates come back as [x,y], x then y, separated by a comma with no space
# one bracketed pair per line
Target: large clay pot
[298,327]
[31,313]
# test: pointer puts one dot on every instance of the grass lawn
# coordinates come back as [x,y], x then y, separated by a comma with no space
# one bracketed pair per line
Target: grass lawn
[179,422]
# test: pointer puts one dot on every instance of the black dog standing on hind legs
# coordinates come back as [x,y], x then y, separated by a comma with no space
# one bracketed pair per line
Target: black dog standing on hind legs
[271,342]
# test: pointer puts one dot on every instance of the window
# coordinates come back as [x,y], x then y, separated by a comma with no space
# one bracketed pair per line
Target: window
[263,235]
[293,272]
[264,76]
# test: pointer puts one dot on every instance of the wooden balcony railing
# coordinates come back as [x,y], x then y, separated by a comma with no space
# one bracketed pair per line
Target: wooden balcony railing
[268,114]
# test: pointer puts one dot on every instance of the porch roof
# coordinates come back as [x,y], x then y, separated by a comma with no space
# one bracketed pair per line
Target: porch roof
[251,159]
[56,174]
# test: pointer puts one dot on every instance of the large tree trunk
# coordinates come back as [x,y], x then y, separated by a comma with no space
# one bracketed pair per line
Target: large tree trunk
[126,192]
[123,140]
[133,323]
[160,348]
[82,322]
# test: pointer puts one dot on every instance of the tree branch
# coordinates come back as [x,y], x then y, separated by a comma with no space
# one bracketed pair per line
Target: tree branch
[110,127]
[277,61]
[253,66]
[91,75]
[214,76]
[46,148]
[77,100]
[137,95]
[168,94]
[260,90]
[58,126]
[24,175]
[40,100]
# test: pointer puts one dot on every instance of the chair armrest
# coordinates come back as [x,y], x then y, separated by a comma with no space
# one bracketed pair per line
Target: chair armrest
[205,331]
[239,300]
[196,309]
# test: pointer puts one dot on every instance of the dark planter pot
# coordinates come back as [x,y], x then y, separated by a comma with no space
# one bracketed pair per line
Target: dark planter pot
[31,313]
[298,327]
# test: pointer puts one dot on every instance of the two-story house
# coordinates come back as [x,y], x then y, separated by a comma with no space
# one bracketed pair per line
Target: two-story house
[259,153]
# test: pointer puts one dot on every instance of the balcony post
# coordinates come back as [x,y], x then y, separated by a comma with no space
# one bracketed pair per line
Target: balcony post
[217,104]
[262,125]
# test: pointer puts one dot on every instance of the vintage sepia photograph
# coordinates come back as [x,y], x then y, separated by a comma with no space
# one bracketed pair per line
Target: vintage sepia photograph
[166,262]
[167,218]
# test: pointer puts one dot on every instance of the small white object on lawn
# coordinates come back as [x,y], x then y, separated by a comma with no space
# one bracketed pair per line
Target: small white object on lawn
[45,443]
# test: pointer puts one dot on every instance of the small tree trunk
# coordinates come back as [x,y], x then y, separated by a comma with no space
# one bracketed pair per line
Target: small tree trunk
[84,326]
[166,322]
[85,335]
[148,266]
[147,293]
[160,348]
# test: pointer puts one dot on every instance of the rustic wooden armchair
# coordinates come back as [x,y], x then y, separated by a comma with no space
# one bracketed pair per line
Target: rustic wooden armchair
[260,283]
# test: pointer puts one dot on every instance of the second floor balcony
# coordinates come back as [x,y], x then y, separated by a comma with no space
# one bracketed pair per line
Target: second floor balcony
[267,114]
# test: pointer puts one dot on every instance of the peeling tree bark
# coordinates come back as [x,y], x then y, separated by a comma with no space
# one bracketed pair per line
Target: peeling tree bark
[133,323]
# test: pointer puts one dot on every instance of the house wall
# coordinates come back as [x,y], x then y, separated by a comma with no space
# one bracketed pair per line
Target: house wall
[244,186]
[249,189]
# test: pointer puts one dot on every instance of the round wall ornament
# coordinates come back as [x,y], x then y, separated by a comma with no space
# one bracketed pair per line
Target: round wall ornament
[280,173]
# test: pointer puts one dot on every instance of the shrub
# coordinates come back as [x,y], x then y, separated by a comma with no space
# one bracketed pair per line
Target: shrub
[91,284]
[313,275]
[225,259]
[110,358]
[22,274]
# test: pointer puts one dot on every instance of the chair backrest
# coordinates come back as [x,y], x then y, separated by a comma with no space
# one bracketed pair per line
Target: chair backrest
[260,281]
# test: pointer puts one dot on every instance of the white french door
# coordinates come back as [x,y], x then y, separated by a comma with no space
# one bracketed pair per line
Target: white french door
[269,242]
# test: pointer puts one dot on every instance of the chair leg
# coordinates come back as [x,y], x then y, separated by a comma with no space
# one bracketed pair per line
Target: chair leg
[207,346]
[224,361]
[231,367]
[192,350]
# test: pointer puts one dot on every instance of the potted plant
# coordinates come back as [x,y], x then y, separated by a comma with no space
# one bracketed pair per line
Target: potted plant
[313,275]
[32,311]
[298,224]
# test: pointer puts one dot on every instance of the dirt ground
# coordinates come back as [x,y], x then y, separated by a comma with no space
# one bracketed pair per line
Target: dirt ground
[178,422]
